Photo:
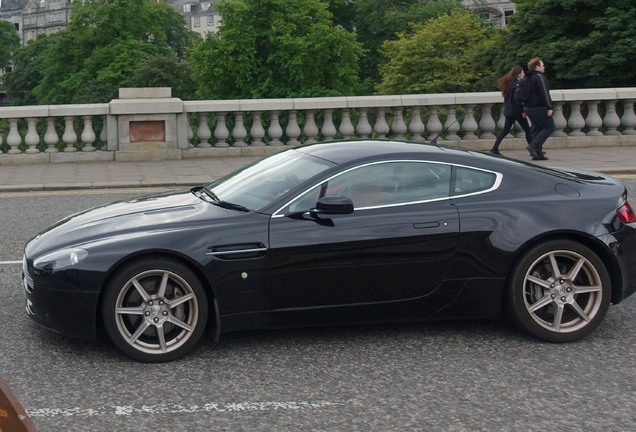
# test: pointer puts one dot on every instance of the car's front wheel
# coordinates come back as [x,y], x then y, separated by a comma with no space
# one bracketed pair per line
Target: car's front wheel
[559,291]
[155,310]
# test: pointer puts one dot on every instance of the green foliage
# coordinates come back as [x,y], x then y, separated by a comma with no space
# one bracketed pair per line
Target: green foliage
[276,48]
[437,57]
[108,44]
[9,41]
[379,21]
[343,13]
[306,48]
[27,72]
[584,43]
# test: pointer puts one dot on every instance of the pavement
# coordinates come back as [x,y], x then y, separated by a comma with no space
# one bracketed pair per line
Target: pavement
[190,172]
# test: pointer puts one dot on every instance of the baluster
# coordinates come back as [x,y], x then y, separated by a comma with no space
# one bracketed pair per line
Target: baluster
[190,133]
[487,123]
[203,132]
[50,136]
[452,125]
[381,127]
[628,121]
[576,122]
[416,125]
[364,127]
[502,119]
[257,131]
[32,139]
[560,122]
[221,133]
[470,124]
[328,129]
[398,126]
[88,135]
[69,137]
[310,130]
[103,135]
[594,120]
[611,120]
[275,131]
[293,130]
[14,139]
[346,127]
[239,132]
[434,125]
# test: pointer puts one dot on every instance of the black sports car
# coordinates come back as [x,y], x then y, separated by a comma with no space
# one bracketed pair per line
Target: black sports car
[339,233]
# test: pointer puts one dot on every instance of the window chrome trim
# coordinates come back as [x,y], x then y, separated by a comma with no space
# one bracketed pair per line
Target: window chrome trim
[496,184]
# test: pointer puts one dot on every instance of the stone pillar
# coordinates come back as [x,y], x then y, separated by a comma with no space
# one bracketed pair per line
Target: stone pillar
[147,129]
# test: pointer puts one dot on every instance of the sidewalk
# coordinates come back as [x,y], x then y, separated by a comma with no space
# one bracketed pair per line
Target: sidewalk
[189,172]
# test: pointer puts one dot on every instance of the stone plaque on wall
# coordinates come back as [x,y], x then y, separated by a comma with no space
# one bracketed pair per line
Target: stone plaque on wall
[147,131]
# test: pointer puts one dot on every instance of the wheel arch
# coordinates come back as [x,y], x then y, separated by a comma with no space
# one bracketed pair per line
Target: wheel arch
[213,321]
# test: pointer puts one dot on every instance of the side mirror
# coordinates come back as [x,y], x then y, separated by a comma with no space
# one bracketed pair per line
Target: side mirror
[334,205]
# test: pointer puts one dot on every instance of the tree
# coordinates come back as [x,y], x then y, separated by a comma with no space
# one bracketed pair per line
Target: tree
[9,41]
[106,45]
[276,48]
[584,43]
[27,71]
[437,56]
[378,21]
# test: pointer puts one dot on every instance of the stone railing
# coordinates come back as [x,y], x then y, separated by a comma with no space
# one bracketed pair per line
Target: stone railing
[148,124]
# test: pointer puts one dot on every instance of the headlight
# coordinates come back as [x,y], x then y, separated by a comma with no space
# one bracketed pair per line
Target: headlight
[61,259]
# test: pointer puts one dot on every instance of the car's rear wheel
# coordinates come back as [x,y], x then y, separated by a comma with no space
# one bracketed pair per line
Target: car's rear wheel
[559,291]
[155,310]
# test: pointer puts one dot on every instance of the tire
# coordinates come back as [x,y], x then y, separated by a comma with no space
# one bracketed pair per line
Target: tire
[155,310]
[559,291]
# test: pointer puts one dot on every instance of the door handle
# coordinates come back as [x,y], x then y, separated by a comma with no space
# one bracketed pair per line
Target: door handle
[420,225]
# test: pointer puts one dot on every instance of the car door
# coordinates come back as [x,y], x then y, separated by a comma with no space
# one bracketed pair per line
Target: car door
[395,246]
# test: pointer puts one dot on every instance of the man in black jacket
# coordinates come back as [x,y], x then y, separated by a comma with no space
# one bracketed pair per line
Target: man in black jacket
[538,108]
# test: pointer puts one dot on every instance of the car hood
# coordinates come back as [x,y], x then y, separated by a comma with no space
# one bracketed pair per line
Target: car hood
[142,214]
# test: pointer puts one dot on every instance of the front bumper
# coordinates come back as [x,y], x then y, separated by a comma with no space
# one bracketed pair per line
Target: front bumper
[57,304]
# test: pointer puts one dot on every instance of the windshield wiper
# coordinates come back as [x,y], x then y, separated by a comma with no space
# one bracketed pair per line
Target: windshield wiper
[212,198]
[205,194]
[231,206]
[211,194]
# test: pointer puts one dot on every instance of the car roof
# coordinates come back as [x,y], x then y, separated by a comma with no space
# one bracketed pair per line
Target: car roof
[345,151]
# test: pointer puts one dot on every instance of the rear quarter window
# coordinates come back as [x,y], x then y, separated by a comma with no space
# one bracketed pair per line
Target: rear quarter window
[470,181]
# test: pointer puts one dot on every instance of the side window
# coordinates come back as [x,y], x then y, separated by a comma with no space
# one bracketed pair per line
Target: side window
[421,181]
[382,184]
[469,181]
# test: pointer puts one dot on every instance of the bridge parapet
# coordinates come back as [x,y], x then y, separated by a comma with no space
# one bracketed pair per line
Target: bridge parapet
[149,124]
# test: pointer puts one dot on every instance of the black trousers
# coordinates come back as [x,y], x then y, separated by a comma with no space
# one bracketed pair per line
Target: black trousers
[542,126]
[508,124]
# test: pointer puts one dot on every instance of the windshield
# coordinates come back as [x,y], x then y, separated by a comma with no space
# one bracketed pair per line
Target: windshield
[261,183]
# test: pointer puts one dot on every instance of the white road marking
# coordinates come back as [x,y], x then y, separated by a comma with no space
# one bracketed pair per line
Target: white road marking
[10,262]
[127,410]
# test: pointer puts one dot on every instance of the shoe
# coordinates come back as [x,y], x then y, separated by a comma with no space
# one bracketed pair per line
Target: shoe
[533,153]
[495,152]
[542,157]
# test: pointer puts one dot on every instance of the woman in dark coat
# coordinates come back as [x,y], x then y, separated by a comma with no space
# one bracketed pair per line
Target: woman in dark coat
[513,111]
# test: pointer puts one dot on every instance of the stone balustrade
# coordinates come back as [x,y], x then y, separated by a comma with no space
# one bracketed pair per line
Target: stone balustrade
[148,124]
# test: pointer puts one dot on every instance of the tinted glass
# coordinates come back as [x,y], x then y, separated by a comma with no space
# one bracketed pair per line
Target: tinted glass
[381,184]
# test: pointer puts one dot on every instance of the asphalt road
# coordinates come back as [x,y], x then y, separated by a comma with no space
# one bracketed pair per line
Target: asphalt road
[452,376]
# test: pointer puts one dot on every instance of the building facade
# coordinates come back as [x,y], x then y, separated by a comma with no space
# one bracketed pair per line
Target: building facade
[44,17]
[496,11]
[201,16]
